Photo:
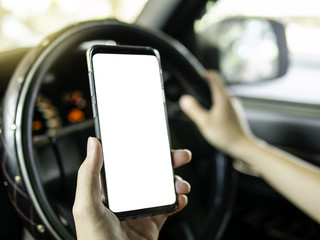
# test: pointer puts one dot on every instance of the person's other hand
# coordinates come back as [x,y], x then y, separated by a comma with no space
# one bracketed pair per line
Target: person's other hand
[223,125]
[94,221]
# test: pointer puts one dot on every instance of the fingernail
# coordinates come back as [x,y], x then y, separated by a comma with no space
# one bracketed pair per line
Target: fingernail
[178,177]
[182,184]
[90,146]
[189,152]
[185,101]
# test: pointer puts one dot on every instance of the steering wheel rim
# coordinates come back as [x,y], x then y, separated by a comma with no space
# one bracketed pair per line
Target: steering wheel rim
[19,167]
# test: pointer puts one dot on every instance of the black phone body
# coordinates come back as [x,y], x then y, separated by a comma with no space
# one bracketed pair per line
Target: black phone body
[130,120]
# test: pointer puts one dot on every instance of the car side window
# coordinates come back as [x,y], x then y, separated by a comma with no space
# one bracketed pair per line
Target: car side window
[301,23]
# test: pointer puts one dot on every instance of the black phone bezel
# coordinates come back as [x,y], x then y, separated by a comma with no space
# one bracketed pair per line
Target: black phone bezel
[124,49]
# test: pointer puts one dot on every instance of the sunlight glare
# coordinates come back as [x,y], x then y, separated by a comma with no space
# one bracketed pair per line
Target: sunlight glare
[86,9]
[22,7]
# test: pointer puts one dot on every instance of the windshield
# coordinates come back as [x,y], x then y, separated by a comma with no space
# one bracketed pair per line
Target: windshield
[26,23]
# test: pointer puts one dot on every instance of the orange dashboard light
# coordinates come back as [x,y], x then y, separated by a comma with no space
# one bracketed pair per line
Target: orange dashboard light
[76,115]
[37,125]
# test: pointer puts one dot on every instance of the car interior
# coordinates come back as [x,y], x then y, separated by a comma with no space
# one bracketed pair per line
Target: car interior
[46,115]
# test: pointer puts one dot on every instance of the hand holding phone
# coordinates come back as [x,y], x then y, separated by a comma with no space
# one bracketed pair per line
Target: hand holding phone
[130,120]
[94,221]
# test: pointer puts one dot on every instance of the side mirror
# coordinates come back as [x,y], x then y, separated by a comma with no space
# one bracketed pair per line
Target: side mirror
[249,49]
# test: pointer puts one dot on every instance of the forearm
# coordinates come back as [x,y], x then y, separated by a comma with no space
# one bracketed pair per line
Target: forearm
[225,127]
[294,178]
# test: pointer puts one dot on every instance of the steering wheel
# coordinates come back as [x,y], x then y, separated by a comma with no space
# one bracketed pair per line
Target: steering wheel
[40,172]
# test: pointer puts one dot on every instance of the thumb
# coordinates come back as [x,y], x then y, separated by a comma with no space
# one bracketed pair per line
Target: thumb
[192,108]
[88,183]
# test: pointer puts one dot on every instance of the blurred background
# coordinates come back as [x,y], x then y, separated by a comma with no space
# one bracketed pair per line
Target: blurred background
[301,19]
[26,22]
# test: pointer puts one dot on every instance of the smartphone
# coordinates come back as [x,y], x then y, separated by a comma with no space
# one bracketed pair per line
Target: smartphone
[130,120]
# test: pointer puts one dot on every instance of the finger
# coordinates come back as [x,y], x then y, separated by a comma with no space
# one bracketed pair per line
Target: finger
[237,105]
[192,108]
[182,203]
[217,87]
[88,183]
[182,186]
[102,196]
[211,76]
[180,157]
[214,78]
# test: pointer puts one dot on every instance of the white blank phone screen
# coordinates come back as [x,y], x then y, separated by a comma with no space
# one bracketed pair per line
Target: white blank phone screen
[133,128]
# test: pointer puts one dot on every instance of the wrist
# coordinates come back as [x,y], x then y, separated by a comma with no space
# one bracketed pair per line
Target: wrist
[245,148]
